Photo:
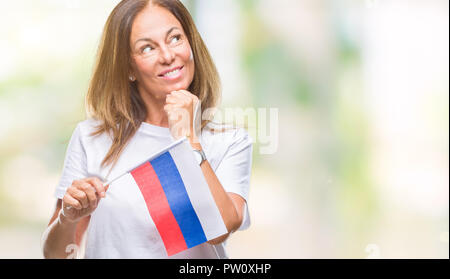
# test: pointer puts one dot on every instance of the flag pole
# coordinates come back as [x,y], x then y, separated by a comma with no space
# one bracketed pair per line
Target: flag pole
[148,159]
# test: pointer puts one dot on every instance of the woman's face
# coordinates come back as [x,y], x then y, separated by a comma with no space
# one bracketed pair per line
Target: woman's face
[162,59]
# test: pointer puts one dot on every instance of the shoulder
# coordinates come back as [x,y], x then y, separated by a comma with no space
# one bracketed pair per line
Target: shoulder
[222,140]
[84,132]
[88,126]
[227,135]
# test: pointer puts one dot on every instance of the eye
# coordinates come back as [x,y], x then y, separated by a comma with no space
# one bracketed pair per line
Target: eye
[146,49]
[175,39]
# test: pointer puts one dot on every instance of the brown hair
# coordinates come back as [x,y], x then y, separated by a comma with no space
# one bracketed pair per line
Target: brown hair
[114,100]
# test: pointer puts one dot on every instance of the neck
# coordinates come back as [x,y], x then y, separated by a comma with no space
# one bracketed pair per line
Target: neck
[155,110]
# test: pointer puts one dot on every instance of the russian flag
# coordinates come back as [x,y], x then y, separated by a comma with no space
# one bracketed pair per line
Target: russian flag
[177,196]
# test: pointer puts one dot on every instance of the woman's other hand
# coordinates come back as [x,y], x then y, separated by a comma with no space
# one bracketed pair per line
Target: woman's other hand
[82,198]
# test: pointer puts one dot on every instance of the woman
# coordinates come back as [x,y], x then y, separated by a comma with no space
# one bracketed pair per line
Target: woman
[152,67]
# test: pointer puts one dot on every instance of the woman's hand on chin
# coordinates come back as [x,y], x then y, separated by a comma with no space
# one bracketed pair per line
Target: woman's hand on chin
[181,107]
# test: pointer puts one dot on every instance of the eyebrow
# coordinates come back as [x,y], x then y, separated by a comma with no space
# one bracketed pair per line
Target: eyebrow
[150,40]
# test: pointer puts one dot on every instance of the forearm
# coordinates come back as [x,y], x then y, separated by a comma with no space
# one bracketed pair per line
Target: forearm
[223,201]
[59,234]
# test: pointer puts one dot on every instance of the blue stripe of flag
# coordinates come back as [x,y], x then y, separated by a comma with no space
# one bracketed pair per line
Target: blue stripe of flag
[178,199]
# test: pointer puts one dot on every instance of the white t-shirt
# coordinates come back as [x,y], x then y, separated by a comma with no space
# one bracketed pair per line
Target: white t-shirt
[117,229]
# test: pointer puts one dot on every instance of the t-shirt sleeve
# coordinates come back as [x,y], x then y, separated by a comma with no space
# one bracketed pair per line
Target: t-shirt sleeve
[234,170]
[75,164]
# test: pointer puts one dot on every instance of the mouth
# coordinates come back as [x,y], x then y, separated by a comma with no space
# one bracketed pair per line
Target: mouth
[171,73]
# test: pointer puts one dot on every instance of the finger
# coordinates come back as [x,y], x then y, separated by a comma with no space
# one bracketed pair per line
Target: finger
[69,201]
[194,98]
[90,193]
[191,97]
[173,116]
[183,94]
[172,99]
[98,185]
[181,102]
[187,94]
[177,106]
[175,110]
[79,195]
[168,107]
[170,111]
[172,94]
[186,97]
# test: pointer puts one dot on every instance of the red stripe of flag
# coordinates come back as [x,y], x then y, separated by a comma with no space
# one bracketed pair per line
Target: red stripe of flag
[159,208]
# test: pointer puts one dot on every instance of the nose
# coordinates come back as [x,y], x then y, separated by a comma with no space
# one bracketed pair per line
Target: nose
[167,55]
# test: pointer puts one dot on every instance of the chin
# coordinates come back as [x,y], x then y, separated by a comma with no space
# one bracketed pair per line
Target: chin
[181,86]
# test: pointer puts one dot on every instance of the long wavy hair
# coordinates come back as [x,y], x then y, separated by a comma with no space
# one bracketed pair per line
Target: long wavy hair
[114,100]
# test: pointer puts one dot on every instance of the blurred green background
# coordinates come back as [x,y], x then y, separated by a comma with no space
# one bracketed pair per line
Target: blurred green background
[362,90]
